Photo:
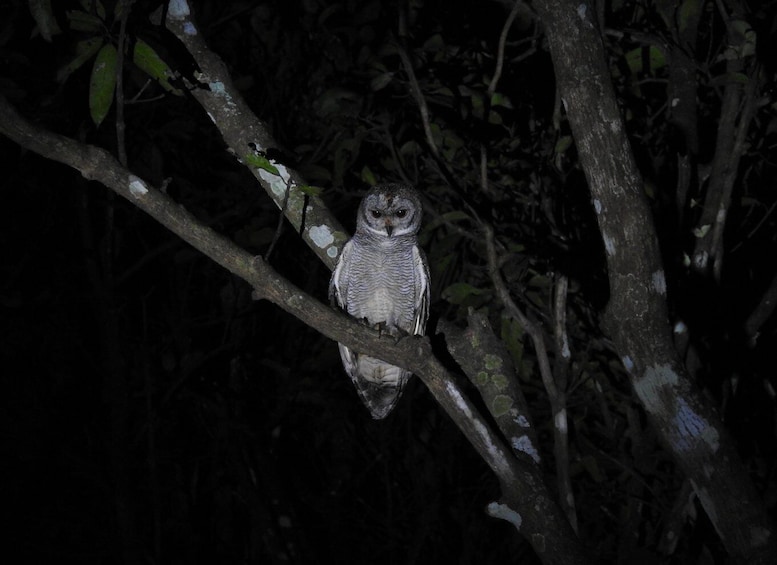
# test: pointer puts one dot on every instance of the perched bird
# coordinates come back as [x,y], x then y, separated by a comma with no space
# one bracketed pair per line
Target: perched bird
[382,277]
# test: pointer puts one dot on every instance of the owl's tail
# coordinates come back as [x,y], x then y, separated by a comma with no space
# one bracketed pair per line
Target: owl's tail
[379,384]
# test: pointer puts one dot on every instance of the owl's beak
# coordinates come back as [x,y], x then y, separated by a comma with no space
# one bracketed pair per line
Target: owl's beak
[389,229]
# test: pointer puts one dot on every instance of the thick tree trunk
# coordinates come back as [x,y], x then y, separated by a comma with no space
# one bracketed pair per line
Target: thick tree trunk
[636,317]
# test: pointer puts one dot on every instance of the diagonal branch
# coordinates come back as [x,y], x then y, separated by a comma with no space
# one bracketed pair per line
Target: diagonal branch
[253,145]
[539,519]
[488,365]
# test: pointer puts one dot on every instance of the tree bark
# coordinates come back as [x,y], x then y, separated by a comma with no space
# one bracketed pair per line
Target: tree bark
[738,108]
[252,143]
[636,316]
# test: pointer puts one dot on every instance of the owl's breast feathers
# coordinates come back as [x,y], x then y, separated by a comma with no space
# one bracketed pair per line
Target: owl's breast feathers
[382,284]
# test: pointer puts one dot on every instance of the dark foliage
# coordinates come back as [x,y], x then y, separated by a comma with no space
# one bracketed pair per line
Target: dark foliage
[141,376]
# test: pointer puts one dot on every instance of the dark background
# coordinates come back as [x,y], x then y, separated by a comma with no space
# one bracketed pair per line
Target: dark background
[152,412]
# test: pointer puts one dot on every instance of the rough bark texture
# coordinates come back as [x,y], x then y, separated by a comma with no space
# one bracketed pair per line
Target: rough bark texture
[253,144]
[488,365]
[636,316]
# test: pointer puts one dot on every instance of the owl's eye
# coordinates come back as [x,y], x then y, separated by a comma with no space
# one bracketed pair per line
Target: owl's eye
[375,213]
[401,213]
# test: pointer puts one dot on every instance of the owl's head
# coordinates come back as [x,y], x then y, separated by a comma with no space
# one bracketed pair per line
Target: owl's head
[390,210]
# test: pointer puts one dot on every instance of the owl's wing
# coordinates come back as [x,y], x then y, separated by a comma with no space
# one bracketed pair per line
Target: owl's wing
[379,384]
[338,291]
[423,288]
[338,284]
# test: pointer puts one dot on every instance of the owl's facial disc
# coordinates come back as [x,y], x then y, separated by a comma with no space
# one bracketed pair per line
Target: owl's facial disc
[388,214]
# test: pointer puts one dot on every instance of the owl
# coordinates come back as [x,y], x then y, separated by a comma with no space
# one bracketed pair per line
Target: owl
[382,278]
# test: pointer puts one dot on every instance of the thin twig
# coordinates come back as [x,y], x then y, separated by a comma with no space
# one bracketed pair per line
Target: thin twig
[535,333]
[483,167]
[276,236]
[556,393]
[559,405]
[746,112]
[560,329]
[121,148]
[500,54]
[762,312]
[419,99]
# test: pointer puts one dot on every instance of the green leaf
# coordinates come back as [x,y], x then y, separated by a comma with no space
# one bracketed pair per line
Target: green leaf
[498,99]
[477,104]
[656,60]
[103,83]
[261,162]
[327,12]
[311,190]
[634,60]
[748,37]
[44,17]
[152,64]
[458,292]
[455,216]
[451,138]
[494,118]
[85,50]
[447,218]
[437,135]
[91,6]
[539,281]
[728,78]
[443,91]
[434,43]
[381,81]
[563,143]
[741,27]
[368,176]
[410,148]
[690,9]
[338,100]
[512,336]
[81,21]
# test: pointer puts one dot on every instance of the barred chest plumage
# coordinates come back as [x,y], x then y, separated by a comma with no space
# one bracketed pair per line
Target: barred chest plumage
[382,283]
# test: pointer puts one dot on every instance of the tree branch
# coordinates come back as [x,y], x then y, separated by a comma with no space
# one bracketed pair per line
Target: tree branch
[762,312]
[556,390]
[736,114]
[488,366]
[252,143]
[524,493]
